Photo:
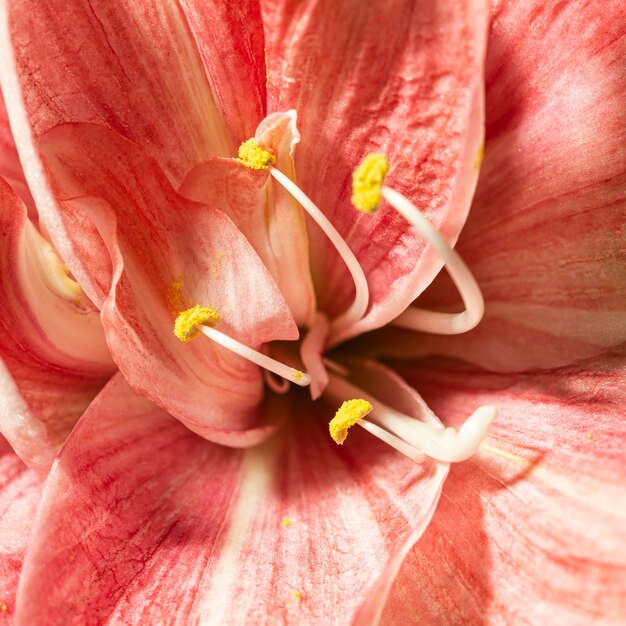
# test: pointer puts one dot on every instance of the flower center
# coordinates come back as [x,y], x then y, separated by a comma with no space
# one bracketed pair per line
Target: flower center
[415,438]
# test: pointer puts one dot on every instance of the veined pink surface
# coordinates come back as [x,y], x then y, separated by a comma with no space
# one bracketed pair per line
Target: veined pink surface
[126,124]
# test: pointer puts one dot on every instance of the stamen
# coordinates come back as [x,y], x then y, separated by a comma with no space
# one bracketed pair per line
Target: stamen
[193,320]
[348,414]
[400,430]
[253,156]
[415,318]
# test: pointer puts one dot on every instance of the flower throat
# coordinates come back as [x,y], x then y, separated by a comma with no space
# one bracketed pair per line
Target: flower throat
[415,438]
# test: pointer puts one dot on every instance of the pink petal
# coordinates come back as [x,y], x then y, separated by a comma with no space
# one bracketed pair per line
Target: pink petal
[53,348]
[545,236]
[164,524]
[405,81]
[230,40]
[157,239]
[533,530]
[139,68]
[10,167]
[20,492]
[263,211]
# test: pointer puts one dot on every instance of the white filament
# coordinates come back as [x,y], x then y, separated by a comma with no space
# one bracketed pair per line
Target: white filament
[361,298]
[262,360]
[413,437]
[434,321]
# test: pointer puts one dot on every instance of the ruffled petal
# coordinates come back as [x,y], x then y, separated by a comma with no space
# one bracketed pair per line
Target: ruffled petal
[168,528]
[405,81]
[545,237]
[533,529]
[169,254]
[53,347]
[20,492]
[264,212]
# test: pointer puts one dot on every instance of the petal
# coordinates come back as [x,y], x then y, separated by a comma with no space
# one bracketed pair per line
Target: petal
[415,95]
[20,492]
[545,237]
[53,347]
[231,43]
[170,529]
[10,167]
[263,211]
[534,527]
[169,254]
[139,68]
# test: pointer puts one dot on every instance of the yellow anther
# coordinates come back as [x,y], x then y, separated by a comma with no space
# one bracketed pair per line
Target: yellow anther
[297,595]
[296,375]
[367,182]
[287,521]
[253,156]
[348,414]
[186,322]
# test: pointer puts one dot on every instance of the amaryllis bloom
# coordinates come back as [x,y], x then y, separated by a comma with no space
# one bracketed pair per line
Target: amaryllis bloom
[184,229]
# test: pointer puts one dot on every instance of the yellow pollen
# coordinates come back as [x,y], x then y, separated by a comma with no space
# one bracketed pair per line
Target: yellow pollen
[367,182]
[186,322]
[296,375]
[253,156]
[348,414]
[589,436]
[287,521]
[4,608]
[479,156]
[297,595]
[175,296]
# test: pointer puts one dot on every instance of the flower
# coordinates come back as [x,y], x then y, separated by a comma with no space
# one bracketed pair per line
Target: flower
[164,525]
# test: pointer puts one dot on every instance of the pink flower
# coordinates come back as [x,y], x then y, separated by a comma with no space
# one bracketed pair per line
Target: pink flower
[141,520]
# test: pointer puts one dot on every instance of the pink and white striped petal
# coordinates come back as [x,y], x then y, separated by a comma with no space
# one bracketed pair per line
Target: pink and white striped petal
[144,69]
[148,70]
[20,492]
[168,254]
[533,528]
[171,529]
[545,236]
[54,354]
[405,81]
